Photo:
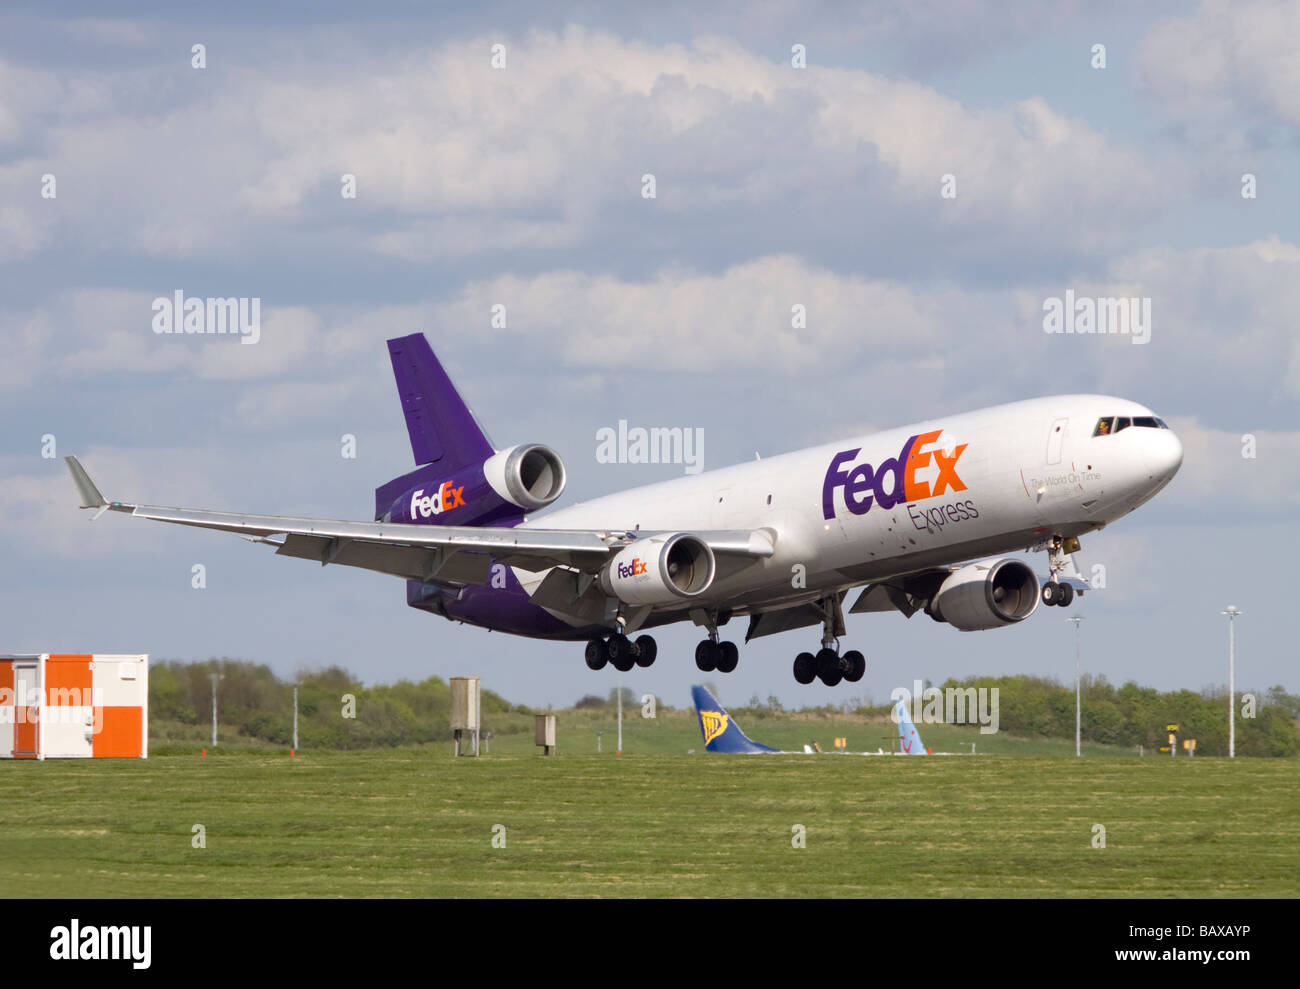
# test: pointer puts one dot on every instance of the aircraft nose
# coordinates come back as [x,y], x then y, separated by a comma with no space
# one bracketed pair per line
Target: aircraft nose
[1163,453]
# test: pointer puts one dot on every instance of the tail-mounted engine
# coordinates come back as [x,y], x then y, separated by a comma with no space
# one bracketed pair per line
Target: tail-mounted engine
[510,482]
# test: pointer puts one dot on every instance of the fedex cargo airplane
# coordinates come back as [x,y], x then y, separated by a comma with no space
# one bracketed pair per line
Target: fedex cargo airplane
[918,518]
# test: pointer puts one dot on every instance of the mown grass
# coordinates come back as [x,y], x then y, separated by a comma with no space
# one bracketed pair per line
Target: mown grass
[415,822]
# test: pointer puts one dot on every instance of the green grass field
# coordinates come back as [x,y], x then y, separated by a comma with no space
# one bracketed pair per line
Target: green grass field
[652,822]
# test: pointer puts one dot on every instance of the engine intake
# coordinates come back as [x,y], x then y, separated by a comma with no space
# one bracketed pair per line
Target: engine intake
[530,475]
[660,570]
[983,595]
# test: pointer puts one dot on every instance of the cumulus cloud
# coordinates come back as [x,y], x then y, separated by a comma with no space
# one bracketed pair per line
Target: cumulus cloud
[1228,72]
[454,157]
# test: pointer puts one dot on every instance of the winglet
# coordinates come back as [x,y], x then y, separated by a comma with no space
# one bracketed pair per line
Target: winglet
[90,496]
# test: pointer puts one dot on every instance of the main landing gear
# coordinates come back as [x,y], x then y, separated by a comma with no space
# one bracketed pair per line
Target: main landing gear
[1055,592]
[621,652]
[712,655]
[828,665]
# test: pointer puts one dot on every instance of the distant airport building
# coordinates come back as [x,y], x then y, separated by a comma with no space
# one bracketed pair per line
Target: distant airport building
[74,706]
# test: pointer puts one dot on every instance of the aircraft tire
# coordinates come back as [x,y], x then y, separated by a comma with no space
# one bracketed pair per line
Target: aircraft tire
[620,653]
[1067,595]
[597,654]
[646,650]
[728,658]
[805,668]
[828,667]
[857,666]
[706,656]
[1049,594]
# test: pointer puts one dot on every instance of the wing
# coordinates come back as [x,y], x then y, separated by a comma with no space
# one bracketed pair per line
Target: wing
[446,554]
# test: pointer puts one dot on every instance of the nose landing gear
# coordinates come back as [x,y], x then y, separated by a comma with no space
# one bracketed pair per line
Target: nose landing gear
[1058,558]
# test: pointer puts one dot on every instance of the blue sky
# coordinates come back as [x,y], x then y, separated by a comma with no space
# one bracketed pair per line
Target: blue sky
[521,186]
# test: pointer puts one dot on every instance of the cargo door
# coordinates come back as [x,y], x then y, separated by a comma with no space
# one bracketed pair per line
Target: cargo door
[1055,440]
[27,699]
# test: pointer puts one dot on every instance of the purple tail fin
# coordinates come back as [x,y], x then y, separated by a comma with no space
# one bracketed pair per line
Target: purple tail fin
[441,426]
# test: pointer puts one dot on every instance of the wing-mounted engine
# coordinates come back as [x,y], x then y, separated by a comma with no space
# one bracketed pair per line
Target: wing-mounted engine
[660,570]
[986,595]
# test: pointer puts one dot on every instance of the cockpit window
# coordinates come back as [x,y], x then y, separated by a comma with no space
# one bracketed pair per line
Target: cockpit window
[1113,424]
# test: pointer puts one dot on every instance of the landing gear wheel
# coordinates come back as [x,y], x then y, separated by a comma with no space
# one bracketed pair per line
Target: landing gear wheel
[828,667]
[646,650]
[1051,593]
[805,668]
[857,665]
[729,656]
[597,654]
[707,655]
[620,653]
[1067,595]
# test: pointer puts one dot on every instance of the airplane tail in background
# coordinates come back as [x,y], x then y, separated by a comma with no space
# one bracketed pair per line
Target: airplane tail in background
[909,738]
[721,733]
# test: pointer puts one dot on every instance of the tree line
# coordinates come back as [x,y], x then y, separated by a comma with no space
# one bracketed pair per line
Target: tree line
[334,709]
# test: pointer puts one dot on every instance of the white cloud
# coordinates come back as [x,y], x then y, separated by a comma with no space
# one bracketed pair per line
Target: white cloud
[1226,69]
[741,318]
[454,157]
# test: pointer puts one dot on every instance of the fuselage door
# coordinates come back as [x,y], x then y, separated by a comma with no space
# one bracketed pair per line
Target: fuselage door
[1055,440]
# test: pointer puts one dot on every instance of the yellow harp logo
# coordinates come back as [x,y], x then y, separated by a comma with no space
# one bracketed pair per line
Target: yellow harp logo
[715,723]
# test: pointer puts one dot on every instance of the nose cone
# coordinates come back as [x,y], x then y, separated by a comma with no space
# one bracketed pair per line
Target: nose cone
[1163,454]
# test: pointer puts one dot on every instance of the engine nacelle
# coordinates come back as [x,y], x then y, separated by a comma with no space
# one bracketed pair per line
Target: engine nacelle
[660,570]
[986,595]
[529,475]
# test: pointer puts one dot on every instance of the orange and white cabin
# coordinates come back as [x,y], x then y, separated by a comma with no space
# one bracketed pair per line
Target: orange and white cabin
[80,706]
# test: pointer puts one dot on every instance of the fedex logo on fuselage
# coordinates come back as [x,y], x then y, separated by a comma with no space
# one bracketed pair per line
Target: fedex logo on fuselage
[893,481]
[637,566]
[443,500]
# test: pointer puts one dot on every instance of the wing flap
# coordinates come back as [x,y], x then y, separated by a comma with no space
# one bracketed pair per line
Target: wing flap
[412,562]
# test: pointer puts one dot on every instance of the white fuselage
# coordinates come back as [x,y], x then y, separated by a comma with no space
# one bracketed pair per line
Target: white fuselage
[979,483]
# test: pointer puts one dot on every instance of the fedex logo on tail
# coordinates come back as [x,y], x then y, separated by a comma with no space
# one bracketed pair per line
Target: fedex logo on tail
[444,499]
[893,481]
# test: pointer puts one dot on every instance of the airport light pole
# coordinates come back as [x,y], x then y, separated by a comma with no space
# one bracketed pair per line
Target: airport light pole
[214,677]
[1232,614]
[1078,750]
[295,717]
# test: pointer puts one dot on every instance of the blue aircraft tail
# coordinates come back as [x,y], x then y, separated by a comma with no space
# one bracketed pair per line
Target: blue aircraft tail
[721,733]
[908,737]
